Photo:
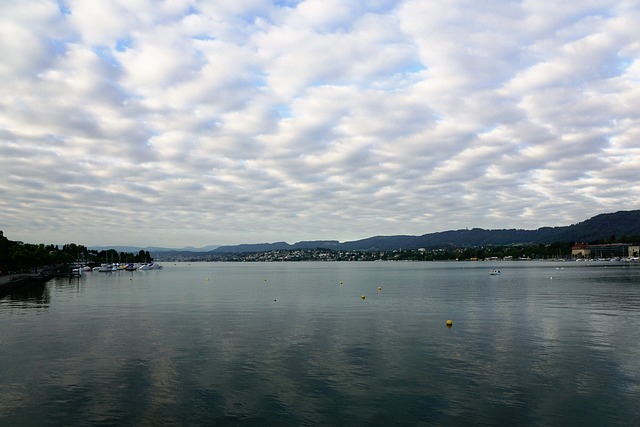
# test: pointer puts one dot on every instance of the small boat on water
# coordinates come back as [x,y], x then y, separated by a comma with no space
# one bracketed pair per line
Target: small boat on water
[495,273]
[130,267]
[150,266]
[105,268]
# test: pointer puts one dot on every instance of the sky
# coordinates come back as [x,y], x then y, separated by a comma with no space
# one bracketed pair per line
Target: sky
[191,123]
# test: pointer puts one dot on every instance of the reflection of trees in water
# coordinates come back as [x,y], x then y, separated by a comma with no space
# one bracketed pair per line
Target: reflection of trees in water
[31,295]
[65,284]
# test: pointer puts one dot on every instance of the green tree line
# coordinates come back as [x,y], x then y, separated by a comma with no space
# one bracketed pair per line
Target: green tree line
[17,256]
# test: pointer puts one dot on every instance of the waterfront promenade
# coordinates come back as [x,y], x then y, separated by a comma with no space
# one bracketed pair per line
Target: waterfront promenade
[9,282]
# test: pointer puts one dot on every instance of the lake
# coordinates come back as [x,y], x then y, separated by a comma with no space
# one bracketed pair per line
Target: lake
[287,344]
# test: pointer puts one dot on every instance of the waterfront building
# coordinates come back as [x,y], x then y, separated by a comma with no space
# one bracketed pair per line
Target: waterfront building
[609,250]
[580,250]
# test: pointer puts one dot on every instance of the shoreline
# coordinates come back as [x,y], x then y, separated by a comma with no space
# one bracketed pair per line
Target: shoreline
[12,282]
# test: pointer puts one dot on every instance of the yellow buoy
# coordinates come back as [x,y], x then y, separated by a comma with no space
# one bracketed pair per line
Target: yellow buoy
[379,288]
[363,296]
[449,323]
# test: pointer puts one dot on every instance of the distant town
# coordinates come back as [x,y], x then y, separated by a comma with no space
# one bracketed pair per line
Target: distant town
[560,251]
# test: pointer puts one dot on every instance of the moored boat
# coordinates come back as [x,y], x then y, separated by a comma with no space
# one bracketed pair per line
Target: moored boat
[130,267]
[150,266]
[105,268]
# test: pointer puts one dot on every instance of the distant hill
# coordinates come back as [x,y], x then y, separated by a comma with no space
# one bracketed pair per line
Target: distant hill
[131,249]
[601,227]
[153,249]
[279,246]
[202,249]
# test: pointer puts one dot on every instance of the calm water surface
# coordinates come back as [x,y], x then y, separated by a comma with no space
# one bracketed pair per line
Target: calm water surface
[295,344]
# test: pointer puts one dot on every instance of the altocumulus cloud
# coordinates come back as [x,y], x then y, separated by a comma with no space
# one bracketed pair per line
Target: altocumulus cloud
[193,122]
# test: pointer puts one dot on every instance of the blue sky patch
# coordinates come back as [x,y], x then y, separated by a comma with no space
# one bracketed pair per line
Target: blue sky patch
[106,55]
[64,9]
[124,44]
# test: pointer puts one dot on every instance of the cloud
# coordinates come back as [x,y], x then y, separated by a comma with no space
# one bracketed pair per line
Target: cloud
[192,123]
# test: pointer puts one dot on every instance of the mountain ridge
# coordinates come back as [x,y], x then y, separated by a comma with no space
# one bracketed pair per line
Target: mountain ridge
[600,227]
